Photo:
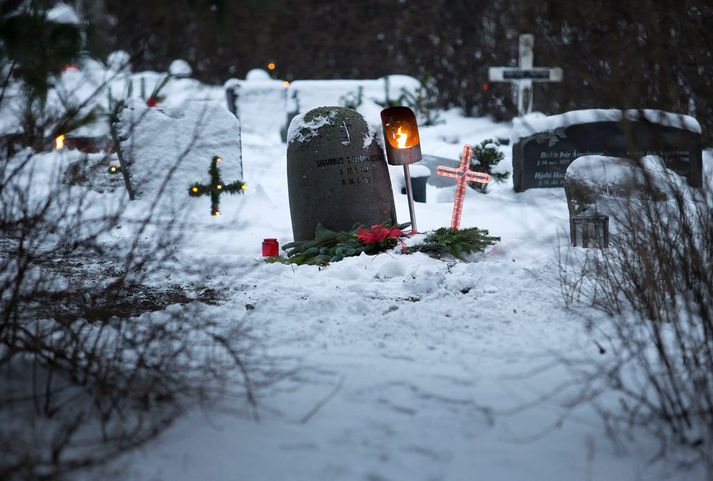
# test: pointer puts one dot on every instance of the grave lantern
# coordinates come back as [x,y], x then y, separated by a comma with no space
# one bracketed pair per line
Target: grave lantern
[590,230]
[403,146]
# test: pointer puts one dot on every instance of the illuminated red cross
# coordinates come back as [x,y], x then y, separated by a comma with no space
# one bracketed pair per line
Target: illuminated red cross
[463,175]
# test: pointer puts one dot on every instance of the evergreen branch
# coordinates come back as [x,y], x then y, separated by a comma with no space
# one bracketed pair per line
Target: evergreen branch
[456,243]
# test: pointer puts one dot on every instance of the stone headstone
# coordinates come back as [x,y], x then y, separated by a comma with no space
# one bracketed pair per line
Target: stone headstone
[545,146]
[602,184]
[169,149]
[336,171]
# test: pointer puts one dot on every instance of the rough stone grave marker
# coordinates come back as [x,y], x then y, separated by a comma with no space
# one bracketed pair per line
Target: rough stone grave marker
[169,149]
[336,171]
[545,147]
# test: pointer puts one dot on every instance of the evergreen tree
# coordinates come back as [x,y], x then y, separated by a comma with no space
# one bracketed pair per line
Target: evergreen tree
[486,156]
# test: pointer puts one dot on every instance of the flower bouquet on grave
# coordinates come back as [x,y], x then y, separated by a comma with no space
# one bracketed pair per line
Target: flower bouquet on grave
[330,246]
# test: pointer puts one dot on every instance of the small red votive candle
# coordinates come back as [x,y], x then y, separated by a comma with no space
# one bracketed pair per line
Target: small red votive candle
[270,248]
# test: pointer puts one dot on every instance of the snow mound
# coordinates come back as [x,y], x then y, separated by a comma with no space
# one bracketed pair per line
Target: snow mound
[119,61]
[535,123]
[180,68]
[257,74]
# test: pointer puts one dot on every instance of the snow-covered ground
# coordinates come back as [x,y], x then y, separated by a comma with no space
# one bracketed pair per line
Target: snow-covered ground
[406,367]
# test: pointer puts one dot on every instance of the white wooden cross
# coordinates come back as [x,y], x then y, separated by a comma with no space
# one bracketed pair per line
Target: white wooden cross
[525,74]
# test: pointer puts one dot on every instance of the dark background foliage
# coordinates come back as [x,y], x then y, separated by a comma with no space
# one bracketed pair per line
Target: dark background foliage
[625,53]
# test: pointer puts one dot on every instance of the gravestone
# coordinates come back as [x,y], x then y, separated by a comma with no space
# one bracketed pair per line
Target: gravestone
[545,146]
[336,172]
[601,184]
[169,149]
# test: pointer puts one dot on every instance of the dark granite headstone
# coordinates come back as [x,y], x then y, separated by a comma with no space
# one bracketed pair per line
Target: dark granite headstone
[541,159]
[336,173]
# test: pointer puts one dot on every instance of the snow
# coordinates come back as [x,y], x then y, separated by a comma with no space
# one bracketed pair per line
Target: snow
[601,171]
[537,122]
[180,68]
[119,61]
[63,13]
[302,130]
[405,367]
[182,143]
[257,74]
[317,93]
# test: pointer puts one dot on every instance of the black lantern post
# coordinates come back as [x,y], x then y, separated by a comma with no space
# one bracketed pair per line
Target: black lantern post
[403,146]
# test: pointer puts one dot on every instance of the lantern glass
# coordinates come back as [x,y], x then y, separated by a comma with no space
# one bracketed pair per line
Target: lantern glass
[400,127]
[401,134]
[403,144]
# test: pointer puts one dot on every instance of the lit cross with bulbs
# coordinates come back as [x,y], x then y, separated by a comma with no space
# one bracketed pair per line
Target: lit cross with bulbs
[463,175]
[216,187]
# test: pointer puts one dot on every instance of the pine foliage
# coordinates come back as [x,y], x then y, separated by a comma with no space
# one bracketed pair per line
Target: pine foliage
[487,155]
[330,246]
[454,242]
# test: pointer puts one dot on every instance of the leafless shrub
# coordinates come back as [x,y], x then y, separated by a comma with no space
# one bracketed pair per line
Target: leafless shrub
[95,359]
[655,285]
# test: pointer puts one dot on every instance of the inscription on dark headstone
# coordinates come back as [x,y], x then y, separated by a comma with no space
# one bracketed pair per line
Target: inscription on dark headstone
[541,159]
[336,172]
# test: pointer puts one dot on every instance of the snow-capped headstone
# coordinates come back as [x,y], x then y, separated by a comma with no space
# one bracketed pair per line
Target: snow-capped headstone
[596,183]
[545,146]
[336,172]
[176,147]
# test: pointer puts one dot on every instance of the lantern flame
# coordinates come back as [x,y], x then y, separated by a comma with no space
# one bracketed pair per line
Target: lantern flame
[401,138]
[59,142]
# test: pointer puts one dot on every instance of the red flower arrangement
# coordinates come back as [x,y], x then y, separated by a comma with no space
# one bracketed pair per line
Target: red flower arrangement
[378,234]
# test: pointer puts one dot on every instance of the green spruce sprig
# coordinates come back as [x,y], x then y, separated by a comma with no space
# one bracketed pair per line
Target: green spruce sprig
[486,156]
[456,243]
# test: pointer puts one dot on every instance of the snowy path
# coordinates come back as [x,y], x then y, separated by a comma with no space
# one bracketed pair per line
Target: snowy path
[408,365]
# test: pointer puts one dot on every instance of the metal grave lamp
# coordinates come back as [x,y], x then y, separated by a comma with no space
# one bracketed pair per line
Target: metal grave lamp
[403,146]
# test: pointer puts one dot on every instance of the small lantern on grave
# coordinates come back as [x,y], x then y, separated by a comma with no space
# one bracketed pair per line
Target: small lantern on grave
[590,230]
[403,146]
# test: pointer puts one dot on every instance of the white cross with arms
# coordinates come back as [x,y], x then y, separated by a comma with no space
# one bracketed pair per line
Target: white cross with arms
[525,74]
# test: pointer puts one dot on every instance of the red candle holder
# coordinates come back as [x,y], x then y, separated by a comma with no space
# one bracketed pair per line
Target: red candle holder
[270,248]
